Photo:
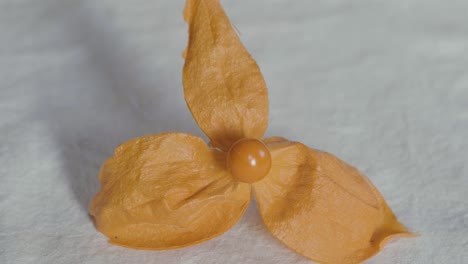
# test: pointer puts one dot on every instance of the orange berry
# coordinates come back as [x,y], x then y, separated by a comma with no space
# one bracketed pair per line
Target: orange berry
[249,160]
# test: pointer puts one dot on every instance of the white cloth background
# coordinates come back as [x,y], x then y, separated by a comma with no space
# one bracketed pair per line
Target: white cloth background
[381,84]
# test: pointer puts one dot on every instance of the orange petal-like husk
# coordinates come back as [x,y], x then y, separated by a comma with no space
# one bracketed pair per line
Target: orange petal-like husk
[223,86]
[323,208]
[167,191]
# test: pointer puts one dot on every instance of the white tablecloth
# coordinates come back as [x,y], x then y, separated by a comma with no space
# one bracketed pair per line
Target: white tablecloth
[382,84]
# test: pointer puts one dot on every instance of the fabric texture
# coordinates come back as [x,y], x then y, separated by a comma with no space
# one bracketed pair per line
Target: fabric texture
[381,84]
